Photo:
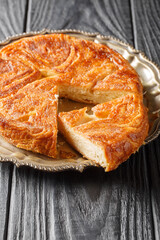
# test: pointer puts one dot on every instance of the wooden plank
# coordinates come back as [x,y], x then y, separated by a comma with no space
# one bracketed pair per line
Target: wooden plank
[146,18]
[11,22]
[106,17]
[5,189]
[92,204]
[154,170]
[72,205]
[12,17]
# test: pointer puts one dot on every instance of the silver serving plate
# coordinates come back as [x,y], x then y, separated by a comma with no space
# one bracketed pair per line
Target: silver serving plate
[149,74]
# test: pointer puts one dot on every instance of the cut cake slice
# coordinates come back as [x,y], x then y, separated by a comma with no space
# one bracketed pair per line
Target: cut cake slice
[114,131]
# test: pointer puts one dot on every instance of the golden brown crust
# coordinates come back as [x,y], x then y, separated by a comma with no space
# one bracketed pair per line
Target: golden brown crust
[28,119]
[30,70]
[14,75]
[124,79]
[120,127]
[128,110]
[74,61]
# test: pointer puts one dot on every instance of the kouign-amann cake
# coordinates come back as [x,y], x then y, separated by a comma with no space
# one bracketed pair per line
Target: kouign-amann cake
[35,71]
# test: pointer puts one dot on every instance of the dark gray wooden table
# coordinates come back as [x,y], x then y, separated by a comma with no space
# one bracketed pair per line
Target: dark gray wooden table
[123,204]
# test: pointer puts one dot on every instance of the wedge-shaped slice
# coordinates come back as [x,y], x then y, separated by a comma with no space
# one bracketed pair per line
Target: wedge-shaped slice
[107,138]
[28,119]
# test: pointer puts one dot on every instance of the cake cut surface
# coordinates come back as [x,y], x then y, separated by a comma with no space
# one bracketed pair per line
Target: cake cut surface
[109,136]
[34,71]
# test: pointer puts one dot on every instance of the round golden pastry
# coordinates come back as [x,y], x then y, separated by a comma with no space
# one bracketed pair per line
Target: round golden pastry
[36,71]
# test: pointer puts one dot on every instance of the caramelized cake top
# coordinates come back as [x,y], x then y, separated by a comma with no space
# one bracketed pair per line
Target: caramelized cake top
[35,70]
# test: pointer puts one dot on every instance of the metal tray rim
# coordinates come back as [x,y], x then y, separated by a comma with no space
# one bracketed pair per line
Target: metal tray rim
[80,167]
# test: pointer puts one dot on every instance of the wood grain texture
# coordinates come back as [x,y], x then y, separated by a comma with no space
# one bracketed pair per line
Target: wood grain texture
[12,17]
[153,151]
[5,188]
[146,27]
[105,17]
[122,204]
[89,205]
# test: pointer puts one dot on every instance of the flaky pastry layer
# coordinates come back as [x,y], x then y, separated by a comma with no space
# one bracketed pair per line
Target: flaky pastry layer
[35,70]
